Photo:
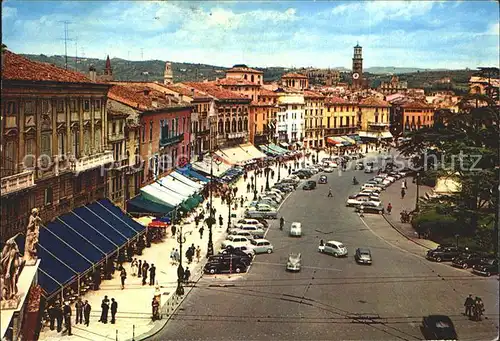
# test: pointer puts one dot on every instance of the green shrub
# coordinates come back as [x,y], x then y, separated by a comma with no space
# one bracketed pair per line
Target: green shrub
[435,224]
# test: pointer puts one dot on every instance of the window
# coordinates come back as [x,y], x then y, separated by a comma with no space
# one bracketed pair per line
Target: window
[48,196]
[11,108]
[341,120]
[113,128]
[376,117]
[29,160]
[60,105]
[335,122]
[98,105]
[72,105]
[29,107]
[62,187]
[245,124]
[347,121]
[10,157]
[240,125]
[183,125]
[228,126]
[328,122]
[234,125]
[45,106]
[46,144]
[221,127]
[86,105]
[97,140]
[86,142]
[150,130]
[61,144]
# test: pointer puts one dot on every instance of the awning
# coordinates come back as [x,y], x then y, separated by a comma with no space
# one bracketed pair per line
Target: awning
[284,145]
[219,168]
[236,155]
[162,195]
[387,135]
[348,139]
[299,144]
[140,204]
[177,186]
[189,172]
[355,137]
[253,152]
[185,180]
[336,140]
[279,149]
[266,149]
[376,135]
[72,243]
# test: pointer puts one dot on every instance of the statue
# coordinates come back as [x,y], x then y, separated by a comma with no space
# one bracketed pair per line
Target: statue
[32,233]
[11,265]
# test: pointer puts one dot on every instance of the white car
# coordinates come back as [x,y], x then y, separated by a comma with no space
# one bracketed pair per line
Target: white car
[333,248]
[334,165]
[354,200]
[296,229]
[328,169]
[235,241]
[243,222]
[391,178]
[371,194]
[371,186]
[246,248]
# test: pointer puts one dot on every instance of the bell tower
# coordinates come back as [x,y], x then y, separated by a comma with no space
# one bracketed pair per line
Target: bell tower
[357,67]
[168,76]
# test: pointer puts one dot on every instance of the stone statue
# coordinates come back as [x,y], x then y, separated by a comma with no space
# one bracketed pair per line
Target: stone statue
[11,265]
[32,233]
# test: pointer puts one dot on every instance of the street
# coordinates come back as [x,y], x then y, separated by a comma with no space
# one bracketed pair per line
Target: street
[333,298]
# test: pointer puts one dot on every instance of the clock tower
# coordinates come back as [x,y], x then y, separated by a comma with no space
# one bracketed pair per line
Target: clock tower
[357,68]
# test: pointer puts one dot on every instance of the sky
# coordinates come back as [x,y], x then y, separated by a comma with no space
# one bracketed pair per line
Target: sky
[426,34]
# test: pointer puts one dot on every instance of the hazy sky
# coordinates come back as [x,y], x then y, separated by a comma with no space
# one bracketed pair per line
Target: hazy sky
[428,34]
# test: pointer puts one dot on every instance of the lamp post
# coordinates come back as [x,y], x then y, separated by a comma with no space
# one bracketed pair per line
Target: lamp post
[230,196]
[181,239]
[267,171]
[456,239]
[418,190]
[279,168]
[255,186]
[210,220]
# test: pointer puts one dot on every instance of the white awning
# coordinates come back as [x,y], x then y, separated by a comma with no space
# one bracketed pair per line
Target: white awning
[234,155]
[252,152]
[178,176]
[376,135]
[161,195]
[177,186]
[219,168]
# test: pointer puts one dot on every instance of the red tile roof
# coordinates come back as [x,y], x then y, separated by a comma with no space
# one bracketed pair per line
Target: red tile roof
[243,69]
[134,96]
[293,75]
[185,91]
[335,100]
[416,105]
[16,67]
[268,93]
[374,102]
[312,94]
[215,91]
[235,81]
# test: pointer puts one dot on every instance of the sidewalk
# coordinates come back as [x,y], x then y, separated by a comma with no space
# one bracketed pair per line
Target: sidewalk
[133,318]
[392,194]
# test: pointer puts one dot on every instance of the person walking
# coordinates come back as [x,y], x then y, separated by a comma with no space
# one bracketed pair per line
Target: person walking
[282,223]
[177,257]
[105,309]
[403,192]
[389,208]
[139,268]
[330,194]
[52,316]
[221,220]
[198,254]
[187,275]
[114,308]
[79,311]
[67,318]
[152,274]
[242,201]
[172,257]
[469,303]
[201,232]
[261,188]
[87,308]
[173,229]
[123,277]
[248,188]
[145,268]
[403,184]
[133,267]
[155,305]
[58,312]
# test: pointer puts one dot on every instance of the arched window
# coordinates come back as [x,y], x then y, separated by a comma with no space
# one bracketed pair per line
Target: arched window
[252,78]
[245,124]
[228,126]
[240,125]
[221,127]
[234,125]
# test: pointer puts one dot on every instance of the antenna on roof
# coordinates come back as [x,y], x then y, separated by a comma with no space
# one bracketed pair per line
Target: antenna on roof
[76,55]
[66,39]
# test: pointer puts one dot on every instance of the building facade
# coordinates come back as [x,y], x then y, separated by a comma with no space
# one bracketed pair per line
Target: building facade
[341,117]
[263,117]
[394,86]
[54,140]
[314,111]
[243,72]
[295,81]
[290,123]
[374,119]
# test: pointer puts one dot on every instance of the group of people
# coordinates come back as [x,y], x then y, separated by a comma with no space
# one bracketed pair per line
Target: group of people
[193,251]
[141,269]
[474,308]
[106,305]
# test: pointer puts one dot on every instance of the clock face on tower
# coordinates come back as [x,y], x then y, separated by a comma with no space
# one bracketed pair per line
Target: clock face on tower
[355,75]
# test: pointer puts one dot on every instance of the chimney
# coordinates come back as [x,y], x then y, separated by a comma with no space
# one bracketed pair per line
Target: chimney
[92,73]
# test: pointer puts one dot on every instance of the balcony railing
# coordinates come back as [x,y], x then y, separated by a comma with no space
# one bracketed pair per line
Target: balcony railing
[202,133]
[164,142]
[116,137]
[378,124]
[17,182]
[237,135]
[92,161]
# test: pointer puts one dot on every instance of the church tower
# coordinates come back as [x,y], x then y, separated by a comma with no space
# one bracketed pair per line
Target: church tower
[108,72]
[168,77]
[357,68]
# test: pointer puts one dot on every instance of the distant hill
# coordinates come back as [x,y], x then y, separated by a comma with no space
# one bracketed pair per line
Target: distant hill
[152,70]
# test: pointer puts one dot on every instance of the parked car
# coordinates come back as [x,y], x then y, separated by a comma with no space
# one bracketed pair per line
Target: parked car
[242,251]
[359,166]
[224,266]
[264,223]
[261,212]
[328,169]
[309,185]
[444,253]
[243,222]
[296,229]
[333,248]
[284,188]
[368,169]
[239,255]
[438,327]
[363,256]
[371,186]
[370,207]
[294,262]
[235,241]
[323,179]
[354,200]
[487,266]
[262,246]
[466,260]
[241,233]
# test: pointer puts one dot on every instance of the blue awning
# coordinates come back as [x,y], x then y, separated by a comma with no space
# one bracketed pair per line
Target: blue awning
[190,172]
[74,242]
[142,205]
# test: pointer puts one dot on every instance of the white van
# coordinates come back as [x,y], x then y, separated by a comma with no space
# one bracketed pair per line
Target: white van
[296,229]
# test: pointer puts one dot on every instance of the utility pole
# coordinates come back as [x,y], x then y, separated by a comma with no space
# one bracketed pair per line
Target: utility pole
[76,55]
[66,39]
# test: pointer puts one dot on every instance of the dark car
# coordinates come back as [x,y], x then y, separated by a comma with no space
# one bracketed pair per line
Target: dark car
[284,188]
[444,253]
[323,179]
[264,222]
[370,207]
[244,258]
[438,327]
[311,184]
[466,260]
[225,265]
[363,256]
[487,266]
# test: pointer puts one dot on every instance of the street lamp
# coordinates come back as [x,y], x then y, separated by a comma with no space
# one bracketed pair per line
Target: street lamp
[181,239]
[418,190]
[230,196]
[255,186]
[279,168]
[267,171]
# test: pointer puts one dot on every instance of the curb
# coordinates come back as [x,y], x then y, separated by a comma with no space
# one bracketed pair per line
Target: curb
[404,235]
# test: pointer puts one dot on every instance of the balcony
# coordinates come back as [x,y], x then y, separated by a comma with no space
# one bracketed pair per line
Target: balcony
[17,182]
[202,133]
[165,142]
[378,124]
[116,137]
[237,135]
[92,161]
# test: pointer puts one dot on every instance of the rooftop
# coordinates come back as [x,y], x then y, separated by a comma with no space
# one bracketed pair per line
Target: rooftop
[266,92]
[412,104]
[335,100]
[312,94]
[235,81]
[215,91]
[142,97]
[16,67]
[243,68]
[374,102]
[293,75]
[186,91]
